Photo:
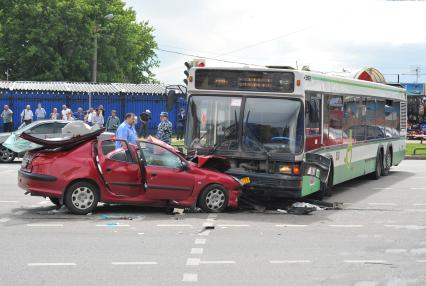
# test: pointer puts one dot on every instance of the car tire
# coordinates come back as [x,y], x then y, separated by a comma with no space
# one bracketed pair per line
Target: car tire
[379,167]
[6,155]
[81,198]
[213,199]
[387,163]
[56,201]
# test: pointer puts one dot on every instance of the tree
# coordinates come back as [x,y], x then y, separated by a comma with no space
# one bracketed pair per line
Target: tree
[54,40]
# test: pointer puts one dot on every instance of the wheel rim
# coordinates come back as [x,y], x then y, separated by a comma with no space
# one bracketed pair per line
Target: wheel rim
[215,199]
[82,198]
[5,154]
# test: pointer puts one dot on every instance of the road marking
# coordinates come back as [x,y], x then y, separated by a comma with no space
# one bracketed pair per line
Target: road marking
[421,261]
[53,264]
[366,261]
[200,241]
[382,204]
[174,225]
[382,188]
[9,202]
[190,277]
[208,224]
[196,250]
[408,226]
[212,216]
[193,261]
[288,261]
[43,202]
[291,225]
[396,251]
[415,210]
[45,225]
[346,225]
[5,219]
[218,262]
[419,205]
[140,233]
[233,225]
[204,232]
[112,224]
[134,263]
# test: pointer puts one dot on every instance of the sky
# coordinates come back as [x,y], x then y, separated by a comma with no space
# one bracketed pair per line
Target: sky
[326,35]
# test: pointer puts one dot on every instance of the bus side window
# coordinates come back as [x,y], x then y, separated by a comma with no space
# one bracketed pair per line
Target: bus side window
[333,119]
[313,114]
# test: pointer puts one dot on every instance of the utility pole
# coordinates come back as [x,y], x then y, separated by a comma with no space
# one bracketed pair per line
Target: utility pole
[95,47]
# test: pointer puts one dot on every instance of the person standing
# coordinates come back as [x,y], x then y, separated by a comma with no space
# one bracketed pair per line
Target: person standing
[90,114]
[165,128]
[79,114]
[65,111]
[145,118]
[40,112]
[101,108]
[69,116]
[98,118]
[55,115]
[7,116]
[180,124]
[27,115]
[126,131]
[112,122]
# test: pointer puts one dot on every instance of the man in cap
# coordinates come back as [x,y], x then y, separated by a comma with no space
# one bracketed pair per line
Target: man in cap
[112,122]
[145,118]
[165,128]
[180,124]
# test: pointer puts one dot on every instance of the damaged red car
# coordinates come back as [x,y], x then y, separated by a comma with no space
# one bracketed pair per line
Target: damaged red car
[82,171]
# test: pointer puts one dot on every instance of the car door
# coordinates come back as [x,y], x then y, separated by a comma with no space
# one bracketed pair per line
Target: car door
[120,168]
[168,176]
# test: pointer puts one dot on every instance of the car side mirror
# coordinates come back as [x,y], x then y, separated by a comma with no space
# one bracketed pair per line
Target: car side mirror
[183,166]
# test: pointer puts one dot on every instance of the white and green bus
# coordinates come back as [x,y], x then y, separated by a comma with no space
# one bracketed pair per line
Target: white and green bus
[290,133]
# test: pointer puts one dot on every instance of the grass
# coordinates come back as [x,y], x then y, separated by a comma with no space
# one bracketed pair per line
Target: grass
[411,146]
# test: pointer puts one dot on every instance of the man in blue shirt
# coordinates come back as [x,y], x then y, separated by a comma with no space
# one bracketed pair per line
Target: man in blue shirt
[126,131]
[79,114]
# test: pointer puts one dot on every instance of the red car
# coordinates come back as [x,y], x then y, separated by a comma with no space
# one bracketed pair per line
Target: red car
[82,171]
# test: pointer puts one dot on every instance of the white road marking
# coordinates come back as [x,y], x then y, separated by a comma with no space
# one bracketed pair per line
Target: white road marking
[291,225]
[53,264]
[140,233]
[208,224]
[218,262]
[366,261]
[418,251]
[233,225]
[193,261]
[174,225]
[212,216]
[346,225]
[45,202]
[190,277]
[200,241]
[407,226]
[134,263]
[421,261]
[382,204]
[196,250]
[5,219]
[382,188]
[417,205]
[113,225]
[417,188]
[205,232]
[288,261]
[396,251]
[9,202]
[45,225]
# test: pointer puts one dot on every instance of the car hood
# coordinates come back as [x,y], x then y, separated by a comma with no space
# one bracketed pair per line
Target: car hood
[211,162]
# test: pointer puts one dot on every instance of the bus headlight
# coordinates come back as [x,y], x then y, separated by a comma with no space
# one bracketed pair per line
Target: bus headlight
[285,169]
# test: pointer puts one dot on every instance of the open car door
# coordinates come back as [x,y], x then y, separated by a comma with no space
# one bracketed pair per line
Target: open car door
[316,171]
[120,168]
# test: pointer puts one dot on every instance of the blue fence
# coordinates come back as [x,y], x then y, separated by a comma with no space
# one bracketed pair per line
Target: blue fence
[121,102]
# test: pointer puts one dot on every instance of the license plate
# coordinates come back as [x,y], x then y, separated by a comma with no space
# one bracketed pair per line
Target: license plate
[245,180]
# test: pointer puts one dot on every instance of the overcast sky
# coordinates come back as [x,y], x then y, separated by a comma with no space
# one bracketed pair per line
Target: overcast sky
[326,35]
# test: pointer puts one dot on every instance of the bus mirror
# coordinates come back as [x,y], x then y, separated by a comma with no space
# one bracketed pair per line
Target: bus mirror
[171,100]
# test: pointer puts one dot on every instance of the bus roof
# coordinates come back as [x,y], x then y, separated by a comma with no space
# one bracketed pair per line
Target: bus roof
[319,82]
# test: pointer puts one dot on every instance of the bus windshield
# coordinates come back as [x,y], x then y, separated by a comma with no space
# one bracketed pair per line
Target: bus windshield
[269,125]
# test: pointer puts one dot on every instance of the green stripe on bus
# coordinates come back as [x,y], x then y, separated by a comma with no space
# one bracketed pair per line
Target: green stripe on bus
[307,187]
[347,82]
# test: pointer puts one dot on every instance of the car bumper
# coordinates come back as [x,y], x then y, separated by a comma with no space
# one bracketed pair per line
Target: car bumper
[39,184]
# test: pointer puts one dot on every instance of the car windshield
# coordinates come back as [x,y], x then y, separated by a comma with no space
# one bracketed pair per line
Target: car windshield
[270,125]
[273,125]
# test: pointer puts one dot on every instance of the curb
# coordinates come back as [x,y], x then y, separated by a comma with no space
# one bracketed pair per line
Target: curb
[415,157]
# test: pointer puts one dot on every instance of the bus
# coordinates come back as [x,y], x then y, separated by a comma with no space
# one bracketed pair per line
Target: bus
[290,133]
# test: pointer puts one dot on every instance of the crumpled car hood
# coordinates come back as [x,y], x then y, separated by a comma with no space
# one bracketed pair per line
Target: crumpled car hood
[212,162]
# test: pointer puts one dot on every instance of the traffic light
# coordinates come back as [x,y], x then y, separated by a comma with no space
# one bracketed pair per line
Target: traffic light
[198,63]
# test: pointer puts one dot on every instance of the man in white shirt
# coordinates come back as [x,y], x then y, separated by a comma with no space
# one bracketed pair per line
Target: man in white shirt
[65,111]
[40,112]
[98,118]
[27,115]
[90,114]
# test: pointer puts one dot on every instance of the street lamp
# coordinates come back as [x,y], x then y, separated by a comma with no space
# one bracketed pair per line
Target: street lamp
[107,17]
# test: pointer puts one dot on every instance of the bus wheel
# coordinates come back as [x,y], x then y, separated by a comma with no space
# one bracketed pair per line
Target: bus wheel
[387,163]
[379,167]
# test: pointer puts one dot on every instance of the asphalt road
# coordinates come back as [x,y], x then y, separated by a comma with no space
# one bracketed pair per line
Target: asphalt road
[379,238]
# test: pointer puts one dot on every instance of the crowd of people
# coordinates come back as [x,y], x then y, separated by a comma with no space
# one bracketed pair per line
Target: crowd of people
[124,130]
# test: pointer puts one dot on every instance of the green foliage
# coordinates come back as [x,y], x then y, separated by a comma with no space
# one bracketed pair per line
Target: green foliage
[54,40]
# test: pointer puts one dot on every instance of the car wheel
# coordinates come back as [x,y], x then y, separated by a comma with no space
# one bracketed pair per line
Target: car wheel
[379,167]
[81,198]
[213,199]
[387,163]
[6,155]
[56,201]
